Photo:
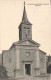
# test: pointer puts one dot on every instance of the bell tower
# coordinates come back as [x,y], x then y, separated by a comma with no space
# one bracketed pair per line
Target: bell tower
[25,27]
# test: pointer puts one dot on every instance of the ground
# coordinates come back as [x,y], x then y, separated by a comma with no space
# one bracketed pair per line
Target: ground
[32,78]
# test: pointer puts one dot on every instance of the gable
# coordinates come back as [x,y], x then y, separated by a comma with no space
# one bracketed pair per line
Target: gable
[25,43]
[28,43]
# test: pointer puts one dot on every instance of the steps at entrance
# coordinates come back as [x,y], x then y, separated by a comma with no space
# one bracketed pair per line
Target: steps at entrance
[32,78]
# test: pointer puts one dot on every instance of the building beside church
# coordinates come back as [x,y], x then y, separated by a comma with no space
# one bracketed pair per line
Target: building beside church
[0,59]
[49,64]
[24,56]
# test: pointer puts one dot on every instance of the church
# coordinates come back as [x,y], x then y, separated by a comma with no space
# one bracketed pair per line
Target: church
[24,58]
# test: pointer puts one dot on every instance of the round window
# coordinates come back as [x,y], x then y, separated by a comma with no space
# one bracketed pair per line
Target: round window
[27,54]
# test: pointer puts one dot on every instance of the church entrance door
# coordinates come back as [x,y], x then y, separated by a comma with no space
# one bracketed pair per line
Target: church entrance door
[28,69]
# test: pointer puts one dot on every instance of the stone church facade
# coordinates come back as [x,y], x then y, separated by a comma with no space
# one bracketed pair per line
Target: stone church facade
[24,56]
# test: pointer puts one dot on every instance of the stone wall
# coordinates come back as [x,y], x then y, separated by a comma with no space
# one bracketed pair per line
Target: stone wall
[9,62]
[28,59]
[43,67]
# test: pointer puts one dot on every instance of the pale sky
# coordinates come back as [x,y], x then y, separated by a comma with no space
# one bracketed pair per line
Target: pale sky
[11,12]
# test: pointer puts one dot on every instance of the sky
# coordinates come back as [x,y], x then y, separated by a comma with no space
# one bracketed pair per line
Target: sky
[11,12]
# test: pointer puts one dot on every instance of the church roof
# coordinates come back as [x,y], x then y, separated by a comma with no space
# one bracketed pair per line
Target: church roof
[30,41]
[42,51]
[24,18]
[21,43]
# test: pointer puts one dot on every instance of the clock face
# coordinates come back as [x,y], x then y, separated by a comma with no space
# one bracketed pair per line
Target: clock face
[27,54]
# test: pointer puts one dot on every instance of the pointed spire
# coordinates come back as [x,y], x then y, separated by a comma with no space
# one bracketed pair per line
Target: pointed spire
[24,19]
